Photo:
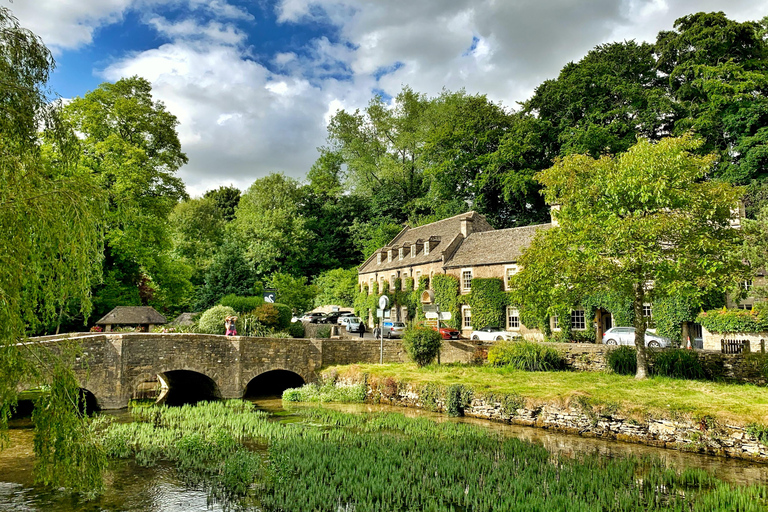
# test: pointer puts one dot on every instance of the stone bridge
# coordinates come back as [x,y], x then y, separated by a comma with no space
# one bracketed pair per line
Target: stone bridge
[119,366]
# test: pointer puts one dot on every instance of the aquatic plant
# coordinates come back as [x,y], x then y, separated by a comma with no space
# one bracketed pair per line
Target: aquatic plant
[526,355]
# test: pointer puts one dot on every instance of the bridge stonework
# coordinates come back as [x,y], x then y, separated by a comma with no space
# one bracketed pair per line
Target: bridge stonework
[118,363]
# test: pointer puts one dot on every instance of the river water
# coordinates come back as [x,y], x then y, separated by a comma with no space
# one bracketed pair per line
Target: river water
[160,489]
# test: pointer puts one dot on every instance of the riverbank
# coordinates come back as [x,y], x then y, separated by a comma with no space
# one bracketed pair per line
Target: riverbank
[699,416]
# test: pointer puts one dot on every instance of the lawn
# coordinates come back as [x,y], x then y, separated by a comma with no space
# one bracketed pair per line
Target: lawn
[659,397]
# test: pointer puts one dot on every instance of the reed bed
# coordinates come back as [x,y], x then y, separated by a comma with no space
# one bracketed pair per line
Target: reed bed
[334,461]
[327,392]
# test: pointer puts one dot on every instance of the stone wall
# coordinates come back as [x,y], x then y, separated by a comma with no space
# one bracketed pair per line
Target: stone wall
[590,421]
[754,342]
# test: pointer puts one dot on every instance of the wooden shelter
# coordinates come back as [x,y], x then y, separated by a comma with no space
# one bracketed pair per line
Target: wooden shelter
[144,317]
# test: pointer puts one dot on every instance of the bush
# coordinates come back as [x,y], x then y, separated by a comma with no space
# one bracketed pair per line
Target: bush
[212,320]
[268,315]
[285,313]
[526,355]
[241,304]
[296,329]
[622,360]
[677,363]
[422,344]
[323,332]
[723,321]
[458,398]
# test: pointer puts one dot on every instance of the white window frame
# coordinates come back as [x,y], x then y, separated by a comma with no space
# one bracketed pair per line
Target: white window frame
[747,285]
[416,280]
[389,255]
[513,312]
[509,271]
[466,286]
[575,314]
[378,258]
[413,250]
[392,281]
[466,317]
[401,253]
[426,248]
[648,311]
[555,323]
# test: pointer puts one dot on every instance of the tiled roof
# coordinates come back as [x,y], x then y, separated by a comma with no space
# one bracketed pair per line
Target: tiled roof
[441,234]
[494,247]
[132,315]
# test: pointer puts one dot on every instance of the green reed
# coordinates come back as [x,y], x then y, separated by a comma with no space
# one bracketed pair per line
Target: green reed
[334,461]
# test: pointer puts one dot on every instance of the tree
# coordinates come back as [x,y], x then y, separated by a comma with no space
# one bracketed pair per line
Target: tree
[643,224]
[229,272]
[50,252]
[129,143]
[270,227]
[197,231]
[293,291]
[337,286]
[226,200]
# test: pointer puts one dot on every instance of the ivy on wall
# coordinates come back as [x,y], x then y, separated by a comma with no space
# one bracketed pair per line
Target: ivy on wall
[488,302]
[726,321]
[446,288]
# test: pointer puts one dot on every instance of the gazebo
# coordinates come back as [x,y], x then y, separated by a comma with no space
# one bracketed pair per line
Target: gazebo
[144,317]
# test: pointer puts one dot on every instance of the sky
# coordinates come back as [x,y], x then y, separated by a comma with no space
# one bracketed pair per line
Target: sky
[254,83]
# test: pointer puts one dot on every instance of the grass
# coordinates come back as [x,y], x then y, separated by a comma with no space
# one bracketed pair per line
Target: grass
[734,404]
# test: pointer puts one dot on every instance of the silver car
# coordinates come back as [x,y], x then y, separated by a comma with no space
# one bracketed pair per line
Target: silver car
[393,329]
[354,324]
[626,336]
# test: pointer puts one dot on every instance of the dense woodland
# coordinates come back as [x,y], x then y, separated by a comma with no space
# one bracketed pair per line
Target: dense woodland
[409,159]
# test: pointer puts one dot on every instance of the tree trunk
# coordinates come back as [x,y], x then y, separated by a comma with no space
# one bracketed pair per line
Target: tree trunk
[642,354]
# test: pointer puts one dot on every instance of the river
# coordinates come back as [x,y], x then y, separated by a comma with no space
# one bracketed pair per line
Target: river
[160,489]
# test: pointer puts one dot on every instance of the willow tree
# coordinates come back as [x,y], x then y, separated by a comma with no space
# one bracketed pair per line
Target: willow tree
[50,252]
[646,223]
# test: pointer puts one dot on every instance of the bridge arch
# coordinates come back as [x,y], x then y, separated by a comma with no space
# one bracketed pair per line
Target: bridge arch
[183,386]
[273,382]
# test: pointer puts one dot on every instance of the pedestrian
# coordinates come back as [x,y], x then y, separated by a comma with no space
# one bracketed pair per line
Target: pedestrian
[361,329]
[230,323]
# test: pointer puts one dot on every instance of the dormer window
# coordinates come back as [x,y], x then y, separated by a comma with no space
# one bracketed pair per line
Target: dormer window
[413,250]
[389,255]
[426,248]
[402,252]
[378,258]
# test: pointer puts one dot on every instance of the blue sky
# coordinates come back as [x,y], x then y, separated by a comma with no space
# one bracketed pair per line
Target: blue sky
[254,82]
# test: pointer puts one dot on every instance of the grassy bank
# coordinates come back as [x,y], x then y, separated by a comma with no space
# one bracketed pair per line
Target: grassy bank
[733,404]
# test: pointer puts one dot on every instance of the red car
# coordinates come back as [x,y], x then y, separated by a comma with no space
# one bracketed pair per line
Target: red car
[448,334]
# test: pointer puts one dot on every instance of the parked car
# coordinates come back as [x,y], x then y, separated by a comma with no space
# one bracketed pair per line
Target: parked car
[626,336]
[344,320]
[492,333]
[331,318]
[393,329]
[312,317]
[343,315]
[448,334]
[354,324]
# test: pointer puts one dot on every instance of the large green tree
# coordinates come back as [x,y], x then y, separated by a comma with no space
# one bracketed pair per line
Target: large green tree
[50,252]
[129,143]
[197,227]
[644,224]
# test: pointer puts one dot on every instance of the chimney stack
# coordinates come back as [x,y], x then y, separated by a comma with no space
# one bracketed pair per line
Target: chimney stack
[466,226]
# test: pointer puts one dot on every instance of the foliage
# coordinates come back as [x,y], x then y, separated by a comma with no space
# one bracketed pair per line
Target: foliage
[723,321]
[51,222]
[197,233]
[225,200]
[284,315]
[336,286]
[241,304]
[293,291]
[296,329]
[487,300]
[323,332]
[457,398]
[644,216]
[622,360]
[526,355]
[229,273]
[268,315]
[760,432]
[677,363]
[212,320]
[446,288]
[327,392]
[268,224]
[422,344]
[669,313]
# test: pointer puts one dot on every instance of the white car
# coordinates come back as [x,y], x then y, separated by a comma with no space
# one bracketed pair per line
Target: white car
[492,333]
[626,336]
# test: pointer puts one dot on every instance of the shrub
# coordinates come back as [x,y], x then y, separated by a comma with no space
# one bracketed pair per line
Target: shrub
[422,344]
[622,360]
[677,363]
[212,320]
[296,329]
[268,315]
[241,304]
[526,355]
[284,315]
[458,398]
[722,321]
[323,332]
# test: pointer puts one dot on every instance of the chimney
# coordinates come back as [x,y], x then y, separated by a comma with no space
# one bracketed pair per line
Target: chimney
[466,226]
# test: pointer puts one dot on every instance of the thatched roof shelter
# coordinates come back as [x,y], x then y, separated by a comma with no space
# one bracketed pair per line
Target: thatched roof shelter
[142,316]
[184,319]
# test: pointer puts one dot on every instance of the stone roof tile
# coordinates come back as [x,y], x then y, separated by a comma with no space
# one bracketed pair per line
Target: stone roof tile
[494,247]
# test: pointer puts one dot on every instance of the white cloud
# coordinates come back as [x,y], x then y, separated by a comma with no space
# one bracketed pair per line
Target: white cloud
[194,30]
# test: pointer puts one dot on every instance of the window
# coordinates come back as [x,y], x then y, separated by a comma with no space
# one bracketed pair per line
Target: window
[389,255]
[370,286]
[555,322]
[511,270]
[426,248]
[402,252]
[747,307]
[416,280]
[747,285]
[513,318]
[466,280]
[378,258]
[578,321]
[392,281]
[647,311]
[466,315]
[413,250]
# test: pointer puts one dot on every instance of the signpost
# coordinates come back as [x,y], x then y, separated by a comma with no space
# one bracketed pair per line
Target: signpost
[383,306]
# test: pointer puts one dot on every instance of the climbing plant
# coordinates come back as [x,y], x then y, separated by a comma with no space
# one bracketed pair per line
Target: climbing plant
[446,288]
[488,301]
